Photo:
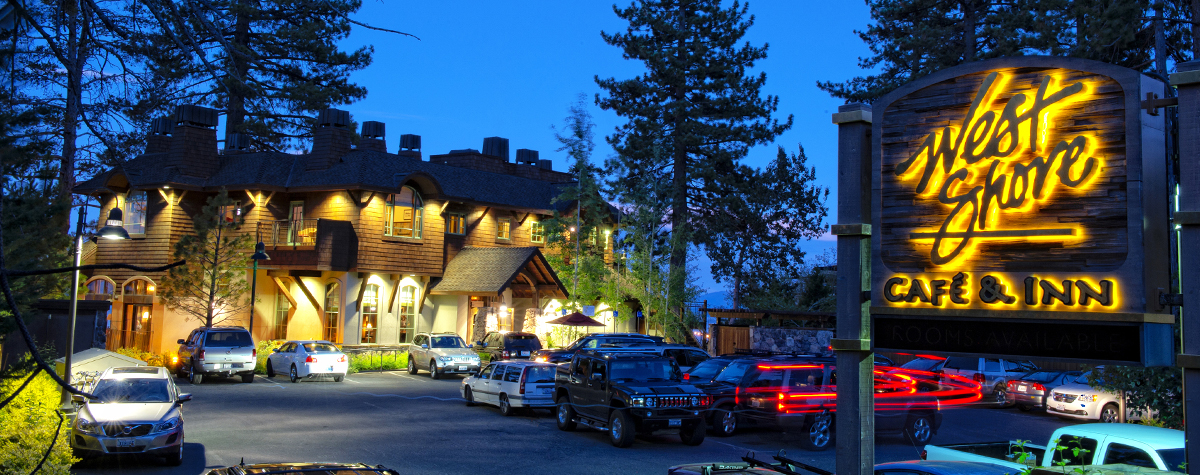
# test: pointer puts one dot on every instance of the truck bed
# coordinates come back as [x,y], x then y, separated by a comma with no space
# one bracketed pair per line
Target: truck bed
[1000,453]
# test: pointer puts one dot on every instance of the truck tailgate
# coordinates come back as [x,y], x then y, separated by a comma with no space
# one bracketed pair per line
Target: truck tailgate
[229,355]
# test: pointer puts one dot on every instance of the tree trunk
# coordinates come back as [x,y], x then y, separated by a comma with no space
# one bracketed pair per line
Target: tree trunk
[235,110]
[212,286]
[70,132]
[968,7]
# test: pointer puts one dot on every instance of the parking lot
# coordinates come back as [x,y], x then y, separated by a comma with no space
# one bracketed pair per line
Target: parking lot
[418,425]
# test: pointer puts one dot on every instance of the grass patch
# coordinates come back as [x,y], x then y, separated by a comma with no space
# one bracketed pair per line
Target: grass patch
[377,360]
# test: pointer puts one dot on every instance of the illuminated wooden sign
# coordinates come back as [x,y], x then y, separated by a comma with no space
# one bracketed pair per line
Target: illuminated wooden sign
[1019,189]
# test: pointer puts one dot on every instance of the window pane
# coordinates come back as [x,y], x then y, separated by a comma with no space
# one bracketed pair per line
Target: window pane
[408,311]
[1121,453]
[282,305]
[370,313]
[537,233]
[333,307]
[503,229]
[454,224]
[135,212]
[1087,449]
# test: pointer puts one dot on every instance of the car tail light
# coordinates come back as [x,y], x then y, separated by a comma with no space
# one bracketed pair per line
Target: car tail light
[1011,384]
[310,359]
[737,395]
[254,352]
[1038,387]
[200,356]
[505,355]
[924,454]
[686,376]
[979,378]
[523,380]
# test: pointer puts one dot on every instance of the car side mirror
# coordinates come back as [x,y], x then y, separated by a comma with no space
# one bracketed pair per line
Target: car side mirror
[597,377]
[470,346]
[180,341]
[274,350]
[424,346]
[184,397]
[481,344]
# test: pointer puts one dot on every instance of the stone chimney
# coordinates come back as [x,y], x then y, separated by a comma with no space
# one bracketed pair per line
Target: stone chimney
[410,146]
[373,137]
[159,140]
[237,143]
[193,148]
[331,139]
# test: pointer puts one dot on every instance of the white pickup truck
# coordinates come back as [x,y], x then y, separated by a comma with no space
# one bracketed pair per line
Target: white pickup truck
[1098,444]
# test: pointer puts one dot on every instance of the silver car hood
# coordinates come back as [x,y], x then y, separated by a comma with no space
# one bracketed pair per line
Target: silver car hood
[453,351]
[128,411]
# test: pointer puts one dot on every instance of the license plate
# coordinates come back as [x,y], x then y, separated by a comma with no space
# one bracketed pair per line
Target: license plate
[524,353]
[218,366]
[462,368]
[674,422]
[1021,388]
[544,391]
[125,442]
[236,365]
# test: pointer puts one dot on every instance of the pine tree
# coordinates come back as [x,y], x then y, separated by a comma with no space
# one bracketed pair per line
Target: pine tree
[211,287]
[692,116]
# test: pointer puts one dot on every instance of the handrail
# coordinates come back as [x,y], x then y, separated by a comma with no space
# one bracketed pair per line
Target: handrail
[288,232]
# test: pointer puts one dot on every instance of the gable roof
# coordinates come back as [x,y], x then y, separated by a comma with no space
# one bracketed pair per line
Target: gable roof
[491,270]
[356,170]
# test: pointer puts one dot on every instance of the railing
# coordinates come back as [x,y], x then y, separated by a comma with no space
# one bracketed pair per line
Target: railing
[288,232]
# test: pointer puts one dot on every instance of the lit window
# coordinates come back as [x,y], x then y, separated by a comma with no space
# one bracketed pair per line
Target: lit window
[408,311]
[370,314]
[282,306]
[456,223]
[333,298]
[135,212]
[592,236]
[232,212]
[100,287]
[537,233]
[404,212]
[504,229]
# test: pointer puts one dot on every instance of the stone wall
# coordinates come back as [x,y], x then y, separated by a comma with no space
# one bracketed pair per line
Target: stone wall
[789,340]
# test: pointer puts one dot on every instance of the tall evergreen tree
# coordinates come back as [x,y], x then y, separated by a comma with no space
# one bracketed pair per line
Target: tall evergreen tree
[212,286]
[692,116]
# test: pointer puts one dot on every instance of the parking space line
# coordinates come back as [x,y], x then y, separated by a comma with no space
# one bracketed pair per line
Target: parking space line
[348,380]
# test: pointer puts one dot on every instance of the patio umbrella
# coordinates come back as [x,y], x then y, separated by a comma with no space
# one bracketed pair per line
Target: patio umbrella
[576,320]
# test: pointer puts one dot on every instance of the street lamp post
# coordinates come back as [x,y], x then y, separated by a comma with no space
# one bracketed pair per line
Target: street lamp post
[113,229]
[260,253]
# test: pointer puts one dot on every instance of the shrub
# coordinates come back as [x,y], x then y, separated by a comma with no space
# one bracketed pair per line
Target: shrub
[265,348]
[165,360]
[27,425]
[376,360]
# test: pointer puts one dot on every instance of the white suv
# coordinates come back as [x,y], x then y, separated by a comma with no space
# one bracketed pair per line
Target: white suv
[441,353]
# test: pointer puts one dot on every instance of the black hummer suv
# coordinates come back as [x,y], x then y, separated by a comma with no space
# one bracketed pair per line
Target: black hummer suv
[628,393]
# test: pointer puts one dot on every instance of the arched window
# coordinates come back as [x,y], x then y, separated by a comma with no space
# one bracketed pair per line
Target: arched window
[333,307]
[370,314]
[404,213]
[408,312]
[139,287]
[100,288]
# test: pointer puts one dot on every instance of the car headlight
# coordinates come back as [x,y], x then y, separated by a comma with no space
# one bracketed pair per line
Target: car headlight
[1087,398]
[651,402]
[169,424]
[638,402]
[695,401]
[87,426]
[443,359]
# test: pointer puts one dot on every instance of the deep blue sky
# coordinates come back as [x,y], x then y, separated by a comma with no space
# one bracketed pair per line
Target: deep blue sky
[510,69]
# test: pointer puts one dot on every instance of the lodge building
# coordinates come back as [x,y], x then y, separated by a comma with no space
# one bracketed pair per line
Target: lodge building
[366,247]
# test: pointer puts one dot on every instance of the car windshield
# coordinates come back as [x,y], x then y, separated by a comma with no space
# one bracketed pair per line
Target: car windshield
[228,339]
[734,373]
[705,370]
[1173,458]
[446,342]
[539,374]
[645,370]
[921,364]
[320,348]
[132,390]
[1083,379]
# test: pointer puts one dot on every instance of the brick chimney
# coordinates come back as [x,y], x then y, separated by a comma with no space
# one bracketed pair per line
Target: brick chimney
[410,146]
[193,148]
[159,140]
[372,137]
[331,139]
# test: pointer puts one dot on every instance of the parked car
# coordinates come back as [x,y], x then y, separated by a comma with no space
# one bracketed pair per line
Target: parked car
[801,392]
[308,359]
[510,385]
[508,345]
[626,393]
[1133,444]
[1032,389]
[441,353]
[992,374]
[705,371]
[137,410]
[303,469]
[685,356]
[1079,400]
[593,341]
[217,351]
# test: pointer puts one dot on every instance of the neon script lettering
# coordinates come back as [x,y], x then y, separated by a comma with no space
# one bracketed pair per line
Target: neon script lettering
[999,158]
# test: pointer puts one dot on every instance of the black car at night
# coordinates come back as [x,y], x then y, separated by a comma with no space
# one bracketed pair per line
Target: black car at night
[593,341]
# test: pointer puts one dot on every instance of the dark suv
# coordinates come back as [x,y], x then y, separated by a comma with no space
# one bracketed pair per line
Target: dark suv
[593,341]
[508,345]
[625,394]
[802,392]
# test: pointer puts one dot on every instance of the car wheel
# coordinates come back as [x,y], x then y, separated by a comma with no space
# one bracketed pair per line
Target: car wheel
[819,434]
[1001,396]
[725,421]
[468,396]
[248,378]
[270,370]
[412,367]
[433,371]
[195,377]
[693,435]
[339,378]
[566,414]
[620,428]
[506,408]
[1024,407]
[1110,413]
[919,429]
[294,375]
[175,458]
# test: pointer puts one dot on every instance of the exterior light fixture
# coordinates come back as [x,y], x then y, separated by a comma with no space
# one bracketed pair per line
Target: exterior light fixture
[260,253]
[166,187]
[114,226]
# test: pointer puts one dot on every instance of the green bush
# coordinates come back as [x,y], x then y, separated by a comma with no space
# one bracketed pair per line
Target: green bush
[165,360]
[265,348]
[27,425]
[376,360]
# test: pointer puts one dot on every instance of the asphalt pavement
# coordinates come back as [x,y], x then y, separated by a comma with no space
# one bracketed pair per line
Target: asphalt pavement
[417,425]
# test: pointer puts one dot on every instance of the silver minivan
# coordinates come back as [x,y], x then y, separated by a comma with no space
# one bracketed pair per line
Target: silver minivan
[137,410]
[992,374]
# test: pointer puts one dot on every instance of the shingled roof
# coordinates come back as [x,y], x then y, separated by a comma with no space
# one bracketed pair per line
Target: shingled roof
[490,270]
[356,170]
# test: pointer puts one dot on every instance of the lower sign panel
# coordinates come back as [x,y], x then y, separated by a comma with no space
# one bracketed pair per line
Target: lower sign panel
[1093,341]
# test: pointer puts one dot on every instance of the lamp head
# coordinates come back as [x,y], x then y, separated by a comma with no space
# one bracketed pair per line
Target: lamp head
[260,252]
[114,226]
